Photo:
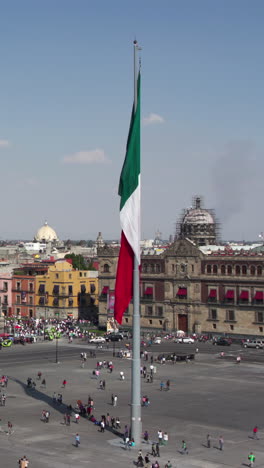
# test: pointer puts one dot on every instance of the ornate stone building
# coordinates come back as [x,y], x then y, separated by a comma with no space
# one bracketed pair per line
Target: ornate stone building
[186,289]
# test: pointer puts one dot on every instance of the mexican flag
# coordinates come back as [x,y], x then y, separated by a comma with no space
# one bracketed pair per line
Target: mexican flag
[129,191]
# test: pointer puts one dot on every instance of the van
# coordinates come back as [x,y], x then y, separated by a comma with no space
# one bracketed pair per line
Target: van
[257,344]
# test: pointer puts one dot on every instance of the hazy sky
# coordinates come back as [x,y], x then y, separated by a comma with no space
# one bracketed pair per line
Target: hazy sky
[66,90]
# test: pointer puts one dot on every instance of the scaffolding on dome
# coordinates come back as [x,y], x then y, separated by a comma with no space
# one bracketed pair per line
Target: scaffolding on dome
[198,224]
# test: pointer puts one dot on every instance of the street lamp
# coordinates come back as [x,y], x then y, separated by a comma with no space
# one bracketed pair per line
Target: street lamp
[57,349]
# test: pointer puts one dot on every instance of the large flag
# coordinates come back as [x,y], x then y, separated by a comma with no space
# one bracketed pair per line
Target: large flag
[129,191]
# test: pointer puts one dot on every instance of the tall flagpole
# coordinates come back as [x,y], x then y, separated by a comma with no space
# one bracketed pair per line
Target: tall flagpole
[136,424]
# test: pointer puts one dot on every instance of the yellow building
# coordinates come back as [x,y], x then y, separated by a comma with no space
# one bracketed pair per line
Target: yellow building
[64,292]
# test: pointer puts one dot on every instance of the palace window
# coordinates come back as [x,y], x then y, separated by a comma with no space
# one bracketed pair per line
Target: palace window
[259,270]
[258,298]
[229,269]
[159,311]
[260,317]
[252,270]
[212,295]
[230,316]
[223,270]
[149,310]
[237,270]
[182,293]
[209,269]
[183,268]
[106,268]
[244,296]
[212,314]
[215,269]
[230,295]
[244,269]
[158,269]
[148,293]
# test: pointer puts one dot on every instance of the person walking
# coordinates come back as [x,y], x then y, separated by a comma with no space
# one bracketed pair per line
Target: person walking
[157,448]
[165,438]
[77,417]
[208,440]
[3,399]
[115,400]
[146,437]
[9,427]
[168,464]
[23,462]
[255,433]
[153,451]
[77,440]
[184,450]
[160,437]
[221,443]
[251,459]
[118,423]
[161,385]
[108,419]
[64,383]
[168,385]
[102,424]
[126,442]
[112,399]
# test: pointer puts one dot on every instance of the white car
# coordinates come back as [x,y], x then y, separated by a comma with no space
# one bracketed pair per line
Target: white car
[97,339]
[186,339]
[157,340]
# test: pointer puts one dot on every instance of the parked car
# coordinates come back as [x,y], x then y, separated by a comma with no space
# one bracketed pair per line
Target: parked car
[97,339]
[257,344]
[114,337]
[157,340]
[222,341]
[186,339]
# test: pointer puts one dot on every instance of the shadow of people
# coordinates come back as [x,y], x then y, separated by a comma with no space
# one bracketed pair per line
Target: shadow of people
[40,396]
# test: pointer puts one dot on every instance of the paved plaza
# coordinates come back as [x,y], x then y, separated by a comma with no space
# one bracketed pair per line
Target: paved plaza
[207,396]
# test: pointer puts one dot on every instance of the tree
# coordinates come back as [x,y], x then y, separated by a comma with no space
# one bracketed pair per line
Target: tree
[78,261]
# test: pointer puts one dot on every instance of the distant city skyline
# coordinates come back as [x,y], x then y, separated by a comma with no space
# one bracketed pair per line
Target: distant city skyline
[66,95]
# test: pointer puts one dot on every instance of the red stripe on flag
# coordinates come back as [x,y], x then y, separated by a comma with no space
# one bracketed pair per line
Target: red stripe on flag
[124,279]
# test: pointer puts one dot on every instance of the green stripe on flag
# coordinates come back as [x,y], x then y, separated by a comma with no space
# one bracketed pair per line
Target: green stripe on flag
[131,167]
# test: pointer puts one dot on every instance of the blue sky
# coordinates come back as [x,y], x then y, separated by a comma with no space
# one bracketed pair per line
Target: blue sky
[66,91]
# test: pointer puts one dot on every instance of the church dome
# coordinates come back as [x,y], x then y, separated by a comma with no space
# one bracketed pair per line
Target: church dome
[46,234]
[198,224]
[198,215]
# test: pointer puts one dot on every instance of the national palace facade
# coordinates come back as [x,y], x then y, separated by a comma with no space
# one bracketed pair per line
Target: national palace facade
[184,288]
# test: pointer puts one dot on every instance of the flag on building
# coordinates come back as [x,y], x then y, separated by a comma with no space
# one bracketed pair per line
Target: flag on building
[129,191]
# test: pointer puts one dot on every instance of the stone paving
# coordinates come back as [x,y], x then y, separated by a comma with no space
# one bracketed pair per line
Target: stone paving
[207,396]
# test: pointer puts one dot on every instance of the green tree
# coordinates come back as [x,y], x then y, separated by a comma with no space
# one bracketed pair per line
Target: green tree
[78,261]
